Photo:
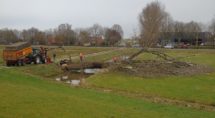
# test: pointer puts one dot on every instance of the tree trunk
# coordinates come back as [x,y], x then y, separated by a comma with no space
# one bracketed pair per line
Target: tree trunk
[136,54]
[157,53]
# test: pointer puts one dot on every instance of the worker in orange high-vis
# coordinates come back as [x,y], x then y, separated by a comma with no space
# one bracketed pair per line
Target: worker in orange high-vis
[114,59]
[81,57]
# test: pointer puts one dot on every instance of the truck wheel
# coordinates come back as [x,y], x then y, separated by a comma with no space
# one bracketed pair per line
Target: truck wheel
[8,64]
[37,60]
[44,61]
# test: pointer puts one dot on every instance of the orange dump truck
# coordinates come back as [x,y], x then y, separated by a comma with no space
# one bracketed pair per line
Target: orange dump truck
[15,54]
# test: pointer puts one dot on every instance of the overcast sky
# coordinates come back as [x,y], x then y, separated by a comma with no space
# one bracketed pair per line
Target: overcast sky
[45,14]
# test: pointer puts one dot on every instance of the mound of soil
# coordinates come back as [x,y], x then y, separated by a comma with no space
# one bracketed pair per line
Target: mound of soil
[162,68]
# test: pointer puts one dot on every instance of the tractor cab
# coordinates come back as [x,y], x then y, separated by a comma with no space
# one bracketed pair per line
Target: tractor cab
[38,56]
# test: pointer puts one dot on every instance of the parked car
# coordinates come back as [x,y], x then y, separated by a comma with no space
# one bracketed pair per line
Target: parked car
[169,46]
[183,45]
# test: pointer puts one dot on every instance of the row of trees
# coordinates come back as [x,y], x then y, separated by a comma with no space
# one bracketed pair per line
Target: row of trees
[156,23]
[65,35]
[98,35]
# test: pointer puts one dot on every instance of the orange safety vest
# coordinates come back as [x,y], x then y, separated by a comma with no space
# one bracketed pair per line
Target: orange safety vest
[81,55]
[114,59]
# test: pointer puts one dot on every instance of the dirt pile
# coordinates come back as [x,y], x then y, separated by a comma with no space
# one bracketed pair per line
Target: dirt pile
[161,68]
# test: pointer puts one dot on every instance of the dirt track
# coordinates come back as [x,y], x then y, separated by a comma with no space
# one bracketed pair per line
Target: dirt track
[88,55]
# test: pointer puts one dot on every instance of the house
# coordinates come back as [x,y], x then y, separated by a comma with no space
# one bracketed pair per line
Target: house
[97,40]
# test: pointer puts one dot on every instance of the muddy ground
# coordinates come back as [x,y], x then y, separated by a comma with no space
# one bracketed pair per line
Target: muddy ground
[153,68]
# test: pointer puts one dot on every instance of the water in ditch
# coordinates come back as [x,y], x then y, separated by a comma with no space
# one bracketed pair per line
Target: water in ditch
[77,77]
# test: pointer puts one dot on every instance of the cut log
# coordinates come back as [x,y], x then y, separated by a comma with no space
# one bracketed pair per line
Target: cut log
[77,66]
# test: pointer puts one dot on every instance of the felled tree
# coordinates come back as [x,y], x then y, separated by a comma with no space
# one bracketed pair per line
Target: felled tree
[151,19]
[112,37]
[212,30]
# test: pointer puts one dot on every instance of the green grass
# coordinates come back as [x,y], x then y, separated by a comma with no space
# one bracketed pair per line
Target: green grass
[43,70]
[204,57]
[25,93]
[198,88]
[28,96]
[110,55]
[75,51]
[147,56]
[198,56]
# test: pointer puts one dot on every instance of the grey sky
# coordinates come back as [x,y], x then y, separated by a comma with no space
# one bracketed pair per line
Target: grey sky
[45,14]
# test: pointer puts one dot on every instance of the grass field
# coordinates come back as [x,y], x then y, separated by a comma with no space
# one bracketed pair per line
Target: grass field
[201,56]
[110,55]
[29,96]
[198,88]
[24,91]
[75,51]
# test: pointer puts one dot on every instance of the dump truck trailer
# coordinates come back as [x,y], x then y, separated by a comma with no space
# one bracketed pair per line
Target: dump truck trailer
[22,53]
[15,54]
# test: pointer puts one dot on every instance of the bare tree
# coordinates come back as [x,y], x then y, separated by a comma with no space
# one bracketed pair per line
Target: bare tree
[135,37]
[84,37]
[167,29]
[118,29]
[65,35]
[7,36]
[30,35]
[194,29]
[212,26]
[179,30]
[151,20]
[212,30]
[96,30]
[34,36]
[112,37]
[167,24]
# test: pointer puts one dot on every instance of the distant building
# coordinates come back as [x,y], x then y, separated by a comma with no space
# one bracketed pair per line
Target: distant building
[97,40]
[185,37]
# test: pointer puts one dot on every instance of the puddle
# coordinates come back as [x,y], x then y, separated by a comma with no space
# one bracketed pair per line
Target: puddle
[75,82]
[58,79]
[88,71]
[91,71]
[76,77]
